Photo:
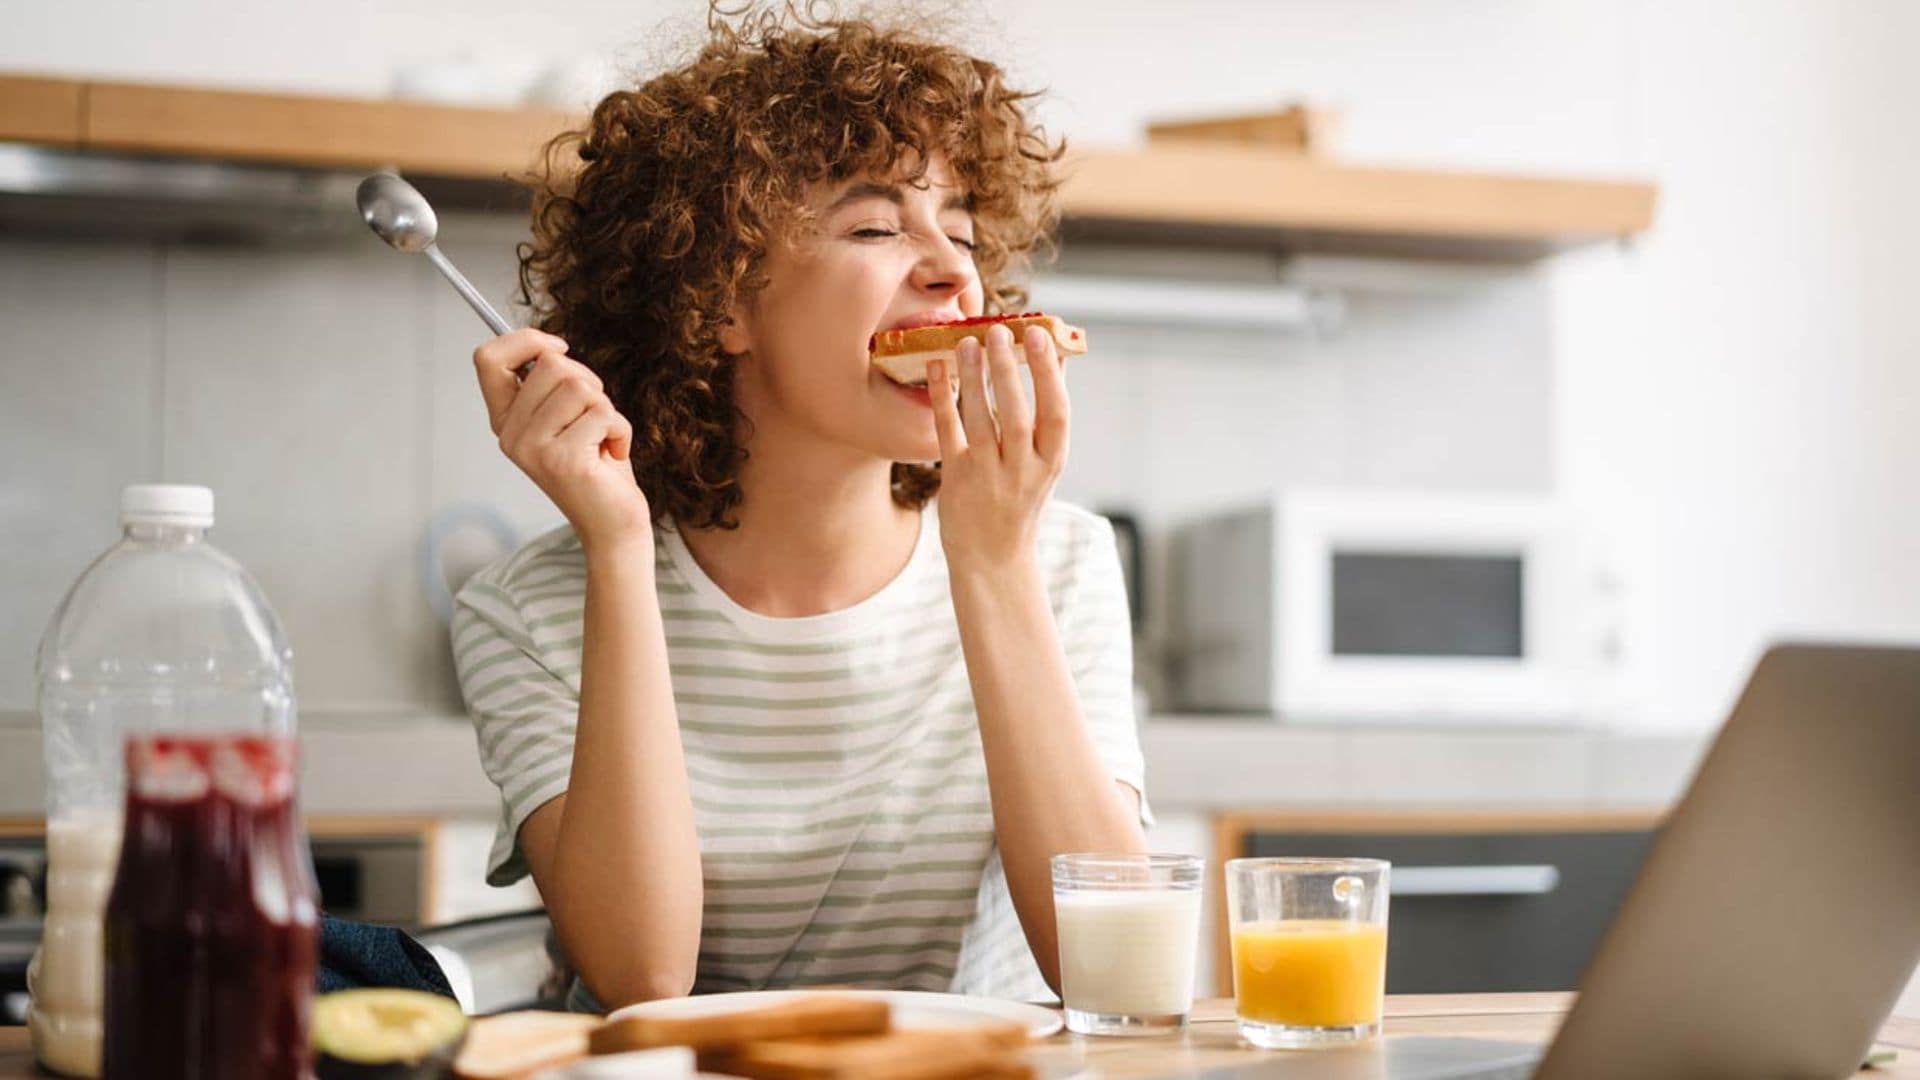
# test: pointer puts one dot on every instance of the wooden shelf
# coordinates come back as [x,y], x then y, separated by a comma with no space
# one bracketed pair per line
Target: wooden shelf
[1172,192]
[1270,196]
[440,140]
[452,141]
[1254,195]
[45,111]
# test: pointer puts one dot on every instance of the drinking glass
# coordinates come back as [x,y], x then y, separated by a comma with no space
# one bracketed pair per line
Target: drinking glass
[1309,949]
[1129,933]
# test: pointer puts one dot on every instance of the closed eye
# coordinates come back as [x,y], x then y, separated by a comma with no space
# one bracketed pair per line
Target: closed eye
[882,234]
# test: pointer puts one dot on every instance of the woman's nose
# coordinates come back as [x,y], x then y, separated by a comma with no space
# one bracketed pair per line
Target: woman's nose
[944,266]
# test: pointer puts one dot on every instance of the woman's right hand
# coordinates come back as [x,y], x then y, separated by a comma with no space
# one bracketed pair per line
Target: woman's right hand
[561,429]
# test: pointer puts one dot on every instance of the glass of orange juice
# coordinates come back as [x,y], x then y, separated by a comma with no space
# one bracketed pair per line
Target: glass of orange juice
[1309,949]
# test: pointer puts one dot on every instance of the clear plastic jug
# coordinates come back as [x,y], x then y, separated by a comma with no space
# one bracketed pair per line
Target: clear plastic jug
[165,653]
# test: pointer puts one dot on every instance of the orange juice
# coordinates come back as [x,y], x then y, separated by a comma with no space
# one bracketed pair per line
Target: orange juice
[1309,972]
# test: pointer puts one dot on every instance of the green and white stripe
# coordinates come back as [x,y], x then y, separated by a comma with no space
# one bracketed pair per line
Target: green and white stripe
[839,789]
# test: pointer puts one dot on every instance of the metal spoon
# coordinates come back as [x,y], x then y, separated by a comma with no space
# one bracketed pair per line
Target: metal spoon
[401,216]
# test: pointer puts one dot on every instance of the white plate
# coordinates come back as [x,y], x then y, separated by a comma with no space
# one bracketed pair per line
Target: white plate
[911,1008]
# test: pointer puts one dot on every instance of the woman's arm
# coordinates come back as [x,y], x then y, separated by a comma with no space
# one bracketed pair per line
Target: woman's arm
[616,857]
[1049,789]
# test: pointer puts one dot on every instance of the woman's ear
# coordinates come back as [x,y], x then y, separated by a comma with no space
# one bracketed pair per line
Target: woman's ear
[734,338]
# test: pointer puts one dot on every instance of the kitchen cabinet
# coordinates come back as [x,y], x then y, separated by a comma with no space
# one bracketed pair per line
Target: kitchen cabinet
[1481,902]
[371,868]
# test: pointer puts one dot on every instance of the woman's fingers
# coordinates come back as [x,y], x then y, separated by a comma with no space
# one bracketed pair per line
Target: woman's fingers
[496,362]
[571,398]
[1049,396]
[554,395]
[974,416]
[946,411]
[543,380]
[1010,405]
[600,428]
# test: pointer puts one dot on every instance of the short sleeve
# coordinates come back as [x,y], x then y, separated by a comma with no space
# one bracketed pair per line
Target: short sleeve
[524,715]
[1096,632]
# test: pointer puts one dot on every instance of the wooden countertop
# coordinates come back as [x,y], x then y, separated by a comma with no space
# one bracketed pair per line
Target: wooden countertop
[1210,1042]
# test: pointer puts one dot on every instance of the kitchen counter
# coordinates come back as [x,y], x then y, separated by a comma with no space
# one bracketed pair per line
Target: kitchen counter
[1210,1041]
[1210,763]
[374,764]
[414,764]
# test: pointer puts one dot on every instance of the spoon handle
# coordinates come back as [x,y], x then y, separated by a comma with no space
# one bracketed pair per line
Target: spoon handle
[465,288]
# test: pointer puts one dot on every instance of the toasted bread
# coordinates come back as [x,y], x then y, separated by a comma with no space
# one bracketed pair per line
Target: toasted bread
[902,355]
[919,1054]
[513,1046]
[808,1016]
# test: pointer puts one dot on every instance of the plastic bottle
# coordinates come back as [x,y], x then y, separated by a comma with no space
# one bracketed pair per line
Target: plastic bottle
[193,936]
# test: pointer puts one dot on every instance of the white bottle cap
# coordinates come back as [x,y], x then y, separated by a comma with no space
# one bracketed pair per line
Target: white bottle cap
[166,504]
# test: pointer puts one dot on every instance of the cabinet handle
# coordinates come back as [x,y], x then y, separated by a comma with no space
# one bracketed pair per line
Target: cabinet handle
[1474,880]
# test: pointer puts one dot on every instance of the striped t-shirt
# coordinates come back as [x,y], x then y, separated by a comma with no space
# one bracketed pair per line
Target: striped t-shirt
[839,789]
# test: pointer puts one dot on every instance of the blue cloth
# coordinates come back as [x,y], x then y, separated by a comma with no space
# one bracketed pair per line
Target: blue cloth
[354,955]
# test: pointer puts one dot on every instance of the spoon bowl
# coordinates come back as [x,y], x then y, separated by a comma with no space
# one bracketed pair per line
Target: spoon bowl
[397,213]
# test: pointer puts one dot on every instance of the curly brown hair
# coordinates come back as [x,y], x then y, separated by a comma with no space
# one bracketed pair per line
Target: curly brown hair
[655,217]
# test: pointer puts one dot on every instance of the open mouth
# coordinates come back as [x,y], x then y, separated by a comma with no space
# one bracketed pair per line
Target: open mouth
[914,392]
[925,318]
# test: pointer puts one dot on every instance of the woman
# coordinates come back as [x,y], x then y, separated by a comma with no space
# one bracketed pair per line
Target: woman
[768,712]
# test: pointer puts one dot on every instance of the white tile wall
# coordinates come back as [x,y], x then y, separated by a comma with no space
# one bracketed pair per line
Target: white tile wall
[291,391]
[79,417]
[326,394]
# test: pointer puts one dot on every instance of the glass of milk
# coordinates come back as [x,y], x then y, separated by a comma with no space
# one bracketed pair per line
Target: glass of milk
[1129,932]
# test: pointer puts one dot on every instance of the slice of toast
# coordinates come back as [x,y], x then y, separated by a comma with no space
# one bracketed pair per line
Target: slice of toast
[902,355]
[918,1054]
[513,1046]
[823,1015]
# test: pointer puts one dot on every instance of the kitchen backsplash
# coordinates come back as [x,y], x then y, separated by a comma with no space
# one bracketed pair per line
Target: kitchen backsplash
[326,395]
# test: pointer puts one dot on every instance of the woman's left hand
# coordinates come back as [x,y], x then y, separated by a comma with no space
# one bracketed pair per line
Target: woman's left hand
[993,484]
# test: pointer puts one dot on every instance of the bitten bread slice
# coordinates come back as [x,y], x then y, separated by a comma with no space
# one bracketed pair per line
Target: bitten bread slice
[808,1016]
[903,354]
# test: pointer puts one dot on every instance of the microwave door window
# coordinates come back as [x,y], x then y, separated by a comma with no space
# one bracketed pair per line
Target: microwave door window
[1423,605]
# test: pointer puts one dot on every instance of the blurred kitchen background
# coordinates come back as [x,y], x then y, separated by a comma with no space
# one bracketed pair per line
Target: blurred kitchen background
[1681,392]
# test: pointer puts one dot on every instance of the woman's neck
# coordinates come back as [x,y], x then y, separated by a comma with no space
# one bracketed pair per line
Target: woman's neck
[815,535]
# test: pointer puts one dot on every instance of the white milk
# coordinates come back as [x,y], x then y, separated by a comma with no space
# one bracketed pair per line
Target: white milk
[65,977]
[1128,952]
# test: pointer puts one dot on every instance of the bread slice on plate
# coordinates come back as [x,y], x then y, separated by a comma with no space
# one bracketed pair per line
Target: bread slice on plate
[922,1054]
[514,1046]
[823,1015]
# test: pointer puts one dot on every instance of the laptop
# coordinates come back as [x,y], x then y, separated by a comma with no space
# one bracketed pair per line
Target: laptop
[1777,916]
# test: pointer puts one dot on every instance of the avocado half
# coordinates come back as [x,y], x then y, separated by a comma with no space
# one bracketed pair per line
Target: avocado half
[385,1035]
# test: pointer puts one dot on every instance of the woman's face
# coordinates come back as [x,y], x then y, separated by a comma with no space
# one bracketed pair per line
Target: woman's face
[884,255]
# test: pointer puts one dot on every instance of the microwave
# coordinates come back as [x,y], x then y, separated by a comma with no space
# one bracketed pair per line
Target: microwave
[1400,607]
